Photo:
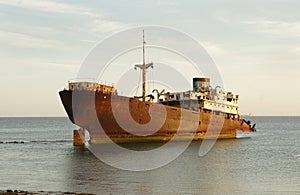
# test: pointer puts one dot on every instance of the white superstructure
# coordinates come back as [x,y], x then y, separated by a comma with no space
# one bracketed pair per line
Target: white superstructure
[205,96]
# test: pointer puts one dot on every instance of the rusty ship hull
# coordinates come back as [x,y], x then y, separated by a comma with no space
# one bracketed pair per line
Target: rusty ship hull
[196,122]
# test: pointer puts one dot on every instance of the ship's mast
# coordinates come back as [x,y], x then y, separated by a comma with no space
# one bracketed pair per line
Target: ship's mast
[144,67]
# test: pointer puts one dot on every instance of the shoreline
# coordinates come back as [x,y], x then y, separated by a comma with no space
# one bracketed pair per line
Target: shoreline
[24,192]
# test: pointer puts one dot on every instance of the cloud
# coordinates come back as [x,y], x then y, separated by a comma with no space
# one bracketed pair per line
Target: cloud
[51,6]
[38,63]
[55,65]
[275,28]
[295,50]
[88,41]
[94,24]
[166,3]
[213,48]
[27,41]
[27,28]
[106,26]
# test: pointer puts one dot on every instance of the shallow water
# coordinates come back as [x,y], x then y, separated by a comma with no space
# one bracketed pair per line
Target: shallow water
[37,154]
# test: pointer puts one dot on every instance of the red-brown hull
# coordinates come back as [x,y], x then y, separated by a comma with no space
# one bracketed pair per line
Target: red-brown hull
[91,108]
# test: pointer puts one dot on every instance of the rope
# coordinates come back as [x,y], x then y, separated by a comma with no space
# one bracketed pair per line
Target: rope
[152,78]
[136,93]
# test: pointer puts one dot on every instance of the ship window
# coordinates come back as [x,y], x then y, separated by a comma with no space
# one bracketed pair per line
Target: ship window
[171,96]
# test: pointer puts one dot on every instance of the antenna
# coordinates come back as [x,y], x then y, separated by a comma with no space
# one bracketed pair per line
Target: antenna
[144,47]
[144,67]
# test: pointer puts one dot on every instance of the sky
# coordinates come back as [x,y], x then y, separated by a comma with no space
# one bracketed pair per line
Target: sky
[255,45]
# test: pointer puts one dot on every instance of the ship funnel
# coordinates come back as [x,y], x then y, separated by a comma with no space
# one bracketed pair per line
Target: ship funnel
[201,84]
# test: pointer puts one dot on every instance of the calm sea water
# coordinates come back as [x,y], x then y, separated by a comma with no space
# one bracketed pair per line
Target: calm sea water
[37,154]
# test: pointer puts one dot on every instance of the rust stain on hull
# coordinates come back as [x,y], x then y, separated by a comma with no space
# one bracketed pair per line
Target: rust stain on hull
[90,102]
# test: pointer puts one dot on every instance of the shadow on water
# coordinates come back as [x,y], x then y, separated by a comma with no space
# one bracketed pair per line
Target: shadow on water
[142,146]
[187,174]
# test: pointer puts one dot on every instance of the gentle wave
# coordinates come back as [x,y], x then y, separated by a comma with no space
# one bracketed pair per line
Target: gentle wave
[34,141]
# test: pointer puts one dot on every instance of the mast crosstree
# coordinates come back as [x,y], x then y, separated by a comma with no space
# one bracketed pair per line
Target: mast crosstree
[144,67]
